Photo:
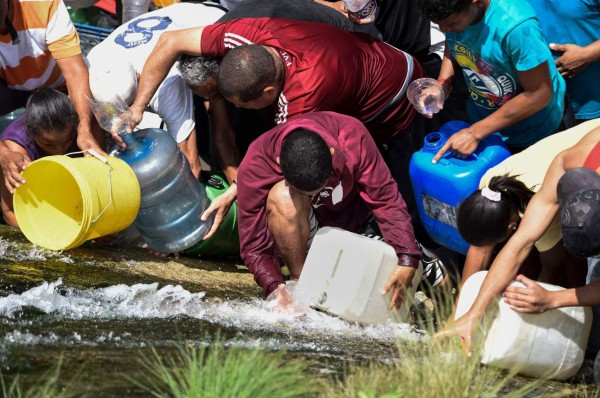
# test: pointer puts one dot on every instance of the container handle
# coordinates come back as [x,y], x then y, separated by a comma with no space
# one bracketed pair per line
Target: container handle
[105,161]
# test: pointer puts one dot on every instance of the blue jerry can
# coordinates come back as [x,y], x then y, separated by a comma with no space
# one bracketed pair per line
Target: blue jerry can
[439,188]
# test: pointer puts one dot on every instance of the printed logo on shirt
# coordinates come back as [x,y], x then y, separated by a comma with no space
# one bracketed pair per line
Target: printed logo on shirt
[140,31]
[335,193]
[489,87]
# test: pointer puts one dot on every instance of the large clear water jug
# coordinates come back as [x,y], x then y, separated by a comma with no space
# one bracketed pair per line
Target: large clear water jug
[344,274]
[550,345]
[172,199]
[439,188]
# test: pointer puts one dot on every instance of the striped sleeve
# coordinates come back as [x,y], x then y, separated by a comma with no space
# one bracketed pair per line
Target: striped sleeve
[61,36]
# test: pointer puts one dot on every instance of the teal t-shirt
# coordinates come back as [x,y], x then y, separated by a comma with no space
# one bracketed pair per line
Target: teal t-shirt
[575,22]
[507,40]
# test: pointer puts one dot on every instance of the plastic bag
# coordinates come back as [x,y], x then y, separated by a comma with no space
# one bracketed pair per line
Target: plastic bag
[113,117]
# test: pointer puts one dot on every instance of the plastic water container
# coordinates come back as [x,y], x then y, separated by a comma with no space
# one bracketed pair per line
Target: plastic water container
[426,95]
[68,201]
[439,188]
[173,200]
[134,8]
[344,274]
[225,242]
[549,345]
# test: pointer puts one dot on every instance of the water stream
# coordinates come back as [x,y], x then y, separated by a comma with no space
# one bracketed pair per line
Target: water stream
[97,310]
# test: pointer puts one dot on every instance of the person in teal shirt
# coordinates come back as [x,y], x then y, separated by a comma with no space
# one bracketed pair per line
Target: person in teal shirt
[572,29]
[514,86]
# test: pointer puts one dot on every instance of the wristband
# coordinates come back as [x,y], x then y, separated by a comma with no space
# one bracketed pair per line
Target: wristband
[445,82]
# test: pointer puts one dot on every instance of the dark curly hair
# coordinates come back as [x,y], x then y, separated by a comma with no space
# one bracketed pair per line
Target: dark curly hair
[305,160]
[437,10]
[483,222]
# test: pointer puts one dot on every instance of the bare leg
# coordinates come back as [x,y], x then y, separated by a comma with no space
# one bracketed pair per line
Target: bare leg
[288,213]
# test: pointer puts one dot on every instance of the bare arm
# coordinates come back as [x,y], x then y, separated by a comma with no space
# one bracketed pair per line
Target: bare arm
[336,5]
[190,150]
[478,259]
[222,135]
[446,72]
[537,93]
[168,49]
[76,76]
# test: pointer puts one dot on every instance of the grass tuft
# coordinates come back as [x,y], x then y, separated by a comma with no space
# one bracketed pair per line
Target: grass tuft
[216,372]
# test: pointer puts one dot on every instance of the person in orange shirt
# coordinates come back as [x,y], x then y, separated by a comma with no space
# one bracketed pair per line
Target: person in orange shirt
[39,47]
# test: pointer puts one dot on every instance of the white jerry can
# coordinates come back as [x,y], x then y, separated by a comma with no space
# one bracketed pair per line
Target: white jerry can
[549,346]
[344,275]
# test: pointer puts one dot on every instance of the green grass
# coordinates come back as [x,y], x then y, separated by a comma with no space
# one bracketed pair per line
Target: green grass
[432,368]
[47,387]
[219,372]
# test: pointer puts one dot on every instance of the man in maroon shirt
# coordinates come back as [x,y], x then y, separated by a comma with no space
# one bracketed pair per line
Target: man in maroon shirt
[322,166]
[313,67]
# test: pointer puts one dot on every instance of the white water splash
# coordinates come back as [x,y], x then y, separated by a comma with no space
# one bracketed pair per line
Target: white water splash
[10,252]
[148,301]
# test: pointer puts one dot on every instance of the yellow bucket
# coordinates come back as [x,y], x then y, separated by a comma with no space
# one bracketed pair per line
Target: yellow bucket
[67,201]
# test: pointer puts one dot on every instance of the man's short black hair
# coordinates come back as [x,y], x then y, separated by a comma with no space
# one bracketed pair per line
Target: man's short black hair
[245,72]
[438,10]
[305,160]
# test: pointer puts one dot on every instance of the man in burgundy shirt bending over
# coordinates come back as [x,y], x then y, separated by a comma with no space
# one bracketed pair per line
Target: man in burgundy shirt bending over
[298,67]
[318,169]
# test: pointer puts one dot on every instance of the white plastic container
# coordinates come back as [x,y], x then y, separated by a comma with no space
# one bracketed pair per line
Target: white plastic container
[549,345]
[344,275]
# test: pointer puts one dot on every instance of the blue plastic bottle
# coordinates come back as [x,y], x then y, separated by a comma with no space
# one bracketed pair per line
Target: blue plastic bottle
[439,188]
[172,199]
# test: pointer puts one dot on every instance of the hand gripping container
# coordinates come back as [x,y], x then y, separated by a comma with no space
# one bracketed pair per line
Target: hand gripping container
[344,274]
[549,345]
[225,242]
[172,199]
[439,188]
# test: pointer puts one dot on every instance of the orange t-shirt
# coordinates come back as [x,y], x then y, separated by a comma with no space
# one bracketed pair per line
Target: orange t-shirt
[46,34]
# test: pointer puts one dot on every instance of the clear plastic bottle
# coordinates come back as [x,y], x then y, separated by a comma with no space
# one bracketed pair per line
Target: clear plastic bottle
[361,11]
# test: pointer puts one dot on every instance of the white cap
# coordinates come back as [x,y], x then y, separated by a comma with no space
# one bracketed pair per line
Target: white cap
[112,78]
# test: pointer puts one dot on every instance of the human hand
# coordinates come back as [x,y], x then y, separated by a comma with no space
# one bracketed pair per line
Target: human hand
[573,60]
[281,300]
[462,144]
[400,279]
[464,328]
[86,141]
[12,164]
[532,298]
[221,206]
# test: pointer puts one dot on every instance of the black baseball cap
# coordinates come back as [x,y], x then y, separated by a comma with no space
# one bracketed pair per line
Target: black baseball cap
[578,193]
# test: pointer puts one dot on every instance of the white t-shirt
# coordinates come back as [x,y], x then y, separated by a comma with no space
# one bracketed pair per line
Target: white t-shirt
[135,40]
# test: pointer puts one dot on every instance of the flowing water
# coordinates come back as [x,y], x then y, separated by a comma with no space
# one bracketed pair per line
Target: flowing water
[97,310]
